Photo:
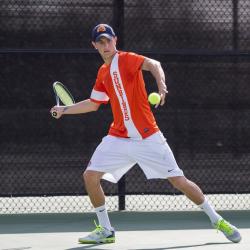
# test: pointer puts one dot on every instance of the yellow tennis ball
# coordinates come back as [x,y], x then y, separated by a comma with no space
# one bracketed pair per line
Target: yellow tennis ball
[154,98]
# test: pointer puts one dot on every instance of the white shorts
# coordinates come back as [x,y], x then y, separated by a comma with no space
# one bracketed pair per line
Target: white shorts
[115,156]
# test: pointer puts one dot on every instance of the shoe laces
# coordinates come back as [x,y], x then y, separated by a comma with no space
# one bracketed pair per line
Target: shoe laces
[224,226]
[98,228]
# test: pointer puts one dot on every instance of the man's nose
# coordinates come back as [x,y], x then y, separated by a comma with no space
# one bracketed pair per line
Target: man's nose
[106,45]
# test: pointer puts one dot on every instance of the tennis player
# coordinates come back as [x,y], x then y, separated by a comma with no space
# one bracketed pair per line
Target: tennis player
[134,136]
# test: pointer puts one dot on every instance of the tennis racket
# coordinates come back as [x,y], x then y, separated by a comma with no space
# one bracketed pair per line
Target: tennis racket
[62,94]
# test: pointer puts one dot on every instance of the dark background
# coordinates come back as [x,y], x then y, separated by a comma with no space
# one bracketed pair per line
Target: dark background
[204,49]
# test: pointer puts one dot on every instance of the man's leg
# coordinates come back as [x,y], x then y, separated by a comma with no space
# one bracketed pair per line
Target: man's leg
[92,180]
[104,233]
[189,188]
[194,193]
[93,186]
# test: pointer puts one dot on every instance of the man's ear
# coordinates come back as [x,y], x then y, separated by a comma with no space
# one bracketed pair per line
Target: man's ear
[94,45]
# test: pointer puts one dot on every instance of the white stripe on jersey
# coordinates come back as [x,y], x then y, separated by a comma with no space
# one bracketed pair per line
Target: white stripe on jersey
[99,96]
[121,95]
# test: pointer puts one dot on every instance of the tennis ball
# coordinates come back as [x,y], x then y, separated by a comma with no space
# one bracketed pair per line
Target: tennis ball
[154,98]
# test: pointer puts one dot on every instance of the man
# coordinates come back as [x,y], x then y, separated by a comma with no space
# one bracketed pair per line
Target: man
[134,136]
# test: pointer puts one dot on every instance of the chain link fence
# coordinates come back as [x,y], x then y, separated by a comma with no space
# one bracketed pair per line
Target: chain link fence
[204,49]
[81,204]
[141,25]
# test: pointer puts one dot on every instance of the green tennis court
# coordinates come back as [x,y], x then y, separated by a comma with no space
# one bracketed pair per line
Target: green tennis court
[134,231]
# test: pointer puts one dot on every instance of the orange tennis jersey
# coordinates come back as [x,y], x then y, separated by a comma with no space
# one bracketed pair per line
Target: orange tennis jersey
[122,84]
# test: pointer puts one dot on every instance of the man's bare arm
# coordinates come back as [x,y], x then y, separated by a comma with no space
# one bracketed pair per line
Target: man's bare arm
[77,108]
[156,70]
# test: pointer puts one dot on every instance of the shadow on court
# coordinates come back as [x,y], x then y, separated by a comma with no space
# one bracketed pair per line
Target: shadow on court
[181,247]
[95,247]
[122,221]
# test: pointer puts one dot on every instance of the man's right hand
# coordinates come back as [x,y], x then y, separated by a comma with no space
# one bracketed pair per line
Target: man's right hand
[57,111]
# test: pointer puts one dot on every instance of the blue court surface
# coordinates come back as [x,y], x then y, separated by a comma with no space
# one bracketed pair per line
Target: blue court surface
[134,231]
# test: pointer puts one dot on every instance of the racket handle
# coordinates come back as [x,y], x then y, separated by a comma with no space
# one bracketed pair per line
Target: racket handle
[54,113]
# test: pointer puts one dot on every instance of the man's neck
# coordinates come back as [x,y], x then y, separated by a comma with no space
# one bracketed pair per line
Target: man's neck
[108,60]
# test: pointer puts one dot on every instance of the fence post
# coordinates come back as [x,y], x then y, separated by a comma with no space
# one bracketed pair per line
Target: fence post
[118,25]
[235,25]
[118,21]
[235,91]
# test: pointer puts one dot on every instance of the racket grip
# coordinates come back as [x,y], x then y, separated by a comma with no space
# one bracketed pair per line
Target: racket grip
[54,113]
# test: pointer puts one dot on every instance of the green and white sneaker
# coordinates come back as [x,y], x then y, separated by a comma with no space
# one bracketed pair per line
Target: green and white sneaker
[230,231]
[99,235]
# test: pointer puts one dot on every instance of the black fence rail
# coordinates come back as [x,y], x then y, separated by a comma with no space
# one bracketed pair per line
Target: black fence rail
[140,24]
[204,49]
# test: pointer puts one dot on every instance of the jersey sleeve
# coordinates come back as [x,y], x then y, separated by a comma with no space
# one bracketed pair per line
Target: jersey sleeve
[134,62]
[99,93]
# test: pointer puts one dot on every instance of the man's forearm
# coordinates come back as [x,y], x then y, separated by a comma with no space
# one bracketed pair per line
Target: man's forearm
[156,70]
[159,75]
[81,107]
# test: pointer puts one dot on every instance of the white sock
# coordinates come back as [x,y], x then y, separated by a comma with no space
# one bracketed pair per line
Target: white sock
[209,210]
[103,217]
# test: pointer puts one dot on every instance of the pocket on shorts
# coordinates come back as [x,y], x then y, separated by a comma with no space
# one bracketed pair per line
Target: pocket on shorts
[107,143]
[157,143]
[157,137]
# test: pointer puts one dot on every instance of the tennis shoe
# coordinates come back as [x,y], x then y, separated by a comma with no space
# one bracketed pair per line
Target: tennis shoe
[230,231]
[99,235]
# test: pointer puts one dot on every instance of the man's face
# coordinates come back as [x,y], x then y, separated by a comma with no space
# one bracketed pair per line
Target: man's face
[106,47]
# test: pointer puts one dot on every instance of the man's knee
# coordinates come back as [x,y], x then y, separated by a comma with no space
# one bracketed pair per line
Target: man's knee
[179,182]
[90,176]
